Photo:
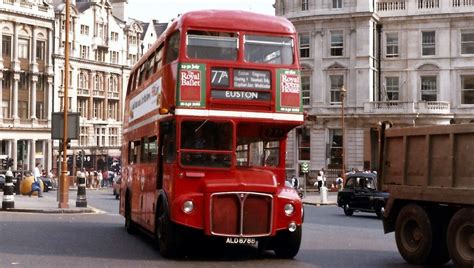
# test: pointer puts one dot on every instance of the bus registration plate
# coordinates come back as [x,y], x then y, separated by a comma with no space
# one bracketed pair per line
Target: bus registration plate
[241,240]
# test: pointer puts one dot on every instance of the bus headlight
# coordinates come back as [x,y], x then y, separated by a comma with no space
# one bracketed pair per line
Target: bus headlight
[289,209]
[188,206]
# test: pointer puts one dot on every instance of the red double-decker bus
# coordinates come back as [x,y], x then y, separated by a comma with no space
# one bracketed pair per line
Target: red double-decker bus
[207,113]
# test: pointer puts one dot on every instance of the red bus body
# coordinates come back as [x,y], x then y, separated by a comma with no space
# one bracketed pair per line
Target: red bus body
[232,77]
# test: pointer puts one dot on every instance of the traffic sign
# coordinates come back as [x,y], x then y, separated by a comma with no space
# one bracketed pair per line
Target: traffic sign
[305,167]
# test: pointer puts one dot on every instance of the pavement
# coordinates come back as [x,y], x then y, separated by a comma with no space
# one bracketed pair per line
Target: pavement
[49,202]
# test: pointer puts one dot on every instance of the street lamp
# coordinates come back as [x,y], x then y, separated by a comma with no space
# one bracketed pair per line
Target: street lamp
[343,155]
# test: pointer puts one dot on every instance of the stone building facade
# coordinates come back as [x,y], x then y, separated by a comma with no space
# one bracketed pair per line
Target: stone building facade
[26,88]
[104,45]
[410,62]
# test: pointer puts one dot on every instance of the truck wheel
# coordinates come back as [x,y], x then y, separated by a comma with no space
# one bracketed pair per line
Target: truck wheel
[347,210]
[129,225]
[380,209]
[413,234]
[166,234]
[461,238]
[287,244]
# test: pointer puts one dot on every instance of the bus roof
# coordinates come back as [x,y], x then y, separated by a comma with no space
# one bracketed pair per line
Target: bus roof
[236,19]
[228,20]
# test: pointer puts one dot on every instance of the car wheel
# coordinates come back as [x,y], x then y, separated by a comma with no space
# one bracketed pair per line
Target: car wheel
[287,244]
[347,210]
[380,209]
[461,238]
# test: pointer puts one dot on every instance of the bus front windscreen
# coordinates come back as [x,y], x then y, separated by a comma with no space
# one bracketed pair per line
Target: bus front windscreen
[206,143]
[268,49]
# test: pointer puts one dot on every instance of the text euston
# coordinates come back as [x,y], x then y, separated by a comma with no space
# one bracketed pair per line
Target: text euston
[240,95]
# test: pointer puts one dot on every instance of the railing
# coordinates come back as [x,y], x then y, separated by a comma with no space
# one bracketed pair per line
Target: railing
[463,3]
[402,107]
[26,4]
[9,2]
[83,91]
[428,4]
[43,8]
[112,94]
[99,93]
[391,5]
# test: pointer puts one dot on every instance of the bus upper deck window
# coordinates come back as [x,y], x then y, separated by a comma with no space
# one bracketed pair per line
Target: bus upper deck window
[268,49]
[172,51]
[212,45]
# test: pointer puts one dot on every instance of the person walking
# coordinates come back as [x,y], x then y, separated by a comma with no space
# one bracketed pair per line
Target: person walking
[36,186]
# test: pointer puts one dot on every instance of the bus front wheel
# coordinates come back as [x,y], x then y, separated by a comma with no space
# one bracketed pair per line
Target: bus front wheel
[166,234]
[287,244]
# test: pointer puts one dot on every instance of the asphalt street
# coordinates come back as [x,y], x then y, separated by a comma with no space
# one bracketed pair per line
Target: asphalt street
[330,239]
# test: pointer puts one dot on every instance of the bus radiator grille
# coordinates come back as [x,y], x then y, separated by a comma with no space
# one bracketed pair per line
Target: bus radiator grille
[241,214]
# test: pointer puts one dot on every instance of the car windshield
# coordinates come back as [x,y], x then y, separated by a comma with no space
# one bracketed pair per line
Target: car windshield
[206,143]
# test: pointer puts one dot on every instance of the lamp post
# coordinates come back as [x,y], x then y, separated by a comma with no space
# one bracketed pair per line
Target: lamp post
[63,181]
[343,155]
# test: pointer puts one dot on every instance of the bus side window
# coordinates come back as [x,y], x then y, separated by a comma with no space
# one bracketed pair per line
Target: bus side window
[144,151]
[152,152]
[172,49]
[158,57]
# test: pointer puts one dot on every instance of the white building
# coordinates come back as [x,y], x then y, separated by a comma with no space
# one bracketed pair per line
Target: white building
[104,46]
[26,75]
[407,61]
[151,31]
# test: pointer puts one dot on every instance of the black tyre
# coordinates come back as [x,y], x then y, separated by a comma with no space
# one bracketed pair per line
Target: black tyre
[347,210]
[420,238]
[167,234]
[461,238]
[287,244]
[380,209]
[129,225]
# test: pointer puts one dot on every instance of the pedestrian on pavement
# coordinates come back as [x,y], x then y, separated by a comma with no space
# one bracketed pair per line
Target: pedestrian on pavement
[99,180]
[320,179]
[339,182]
[35,185]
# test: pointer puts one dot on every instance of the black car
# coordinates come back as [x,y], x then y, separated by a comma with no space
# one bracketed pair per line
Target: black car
[360,193]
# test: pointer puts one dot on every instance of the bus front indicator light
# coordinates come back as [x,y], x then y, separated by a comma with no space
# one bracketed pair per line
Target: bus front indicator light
[292,227]
[188,206]
[289,209]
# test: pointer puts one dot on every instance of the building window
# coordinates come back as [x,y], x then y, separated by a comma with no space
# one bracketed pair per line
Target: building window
[304,142]
[83,136]
[392,88]
[83,82]
[336,3]
[467,42]
[7,80]
[337,43]
[113,136]
[61,104]
[84,29]
[23,83]
[114,36]
[428,43]
[98,108]
[40,50]
[6,46]
[337,81]
[100,136]
[114,57]
[100,55]
[82,107]
[392,45]
[429,88]
[306,90]
[84,52]
[41,82]
[304,45]
[6,108]
[304,5]
[40,110]
[23,48]
[467,89]
[23,109]
[335,148]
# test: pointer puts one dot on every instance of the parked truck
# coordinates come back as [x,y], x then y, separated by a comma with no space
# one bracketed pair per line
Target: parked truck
[429,173]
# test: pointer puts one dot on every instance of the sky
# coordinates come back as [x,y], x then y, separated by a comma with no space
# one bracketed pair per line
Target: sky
[165,10]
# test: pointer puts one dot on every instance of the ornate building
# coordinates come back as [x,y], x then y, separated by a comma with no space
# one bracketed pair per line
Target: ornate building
[104,46]
[407,61]
[26,88]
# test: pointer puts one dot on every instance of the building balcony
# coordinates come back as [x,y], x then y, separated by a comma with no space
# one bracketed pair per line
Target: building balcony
[113,95]
[83,92]
[99,42]
[397,8]
[99,93]
[407,107]
[30,7]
